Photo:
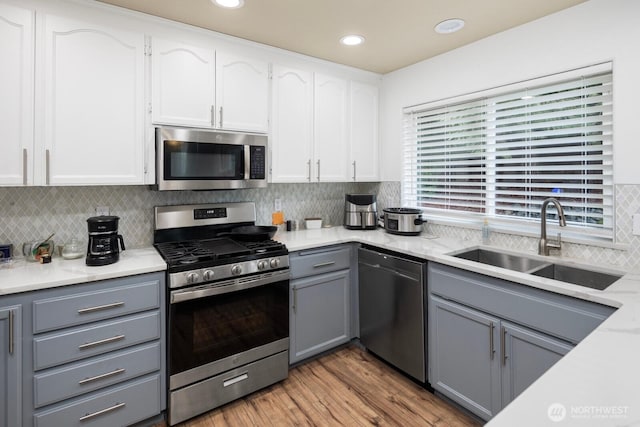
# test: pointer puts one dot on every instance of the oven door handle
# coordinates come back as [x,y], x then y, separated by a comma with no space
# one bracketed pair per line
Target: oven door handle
[223,288]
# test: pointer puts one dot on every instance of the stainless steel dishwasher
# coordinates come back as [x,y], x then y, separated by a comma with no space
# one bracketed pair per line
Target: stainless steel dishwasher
[392,310]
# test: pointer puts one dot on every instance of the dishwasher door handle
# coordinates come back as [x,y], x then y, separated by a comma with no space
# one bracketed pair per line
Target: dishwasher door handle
[390,270]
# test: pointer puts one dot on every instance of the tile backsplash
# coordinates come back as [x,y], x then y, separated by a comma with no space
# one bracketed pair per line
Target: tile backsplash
[33,213]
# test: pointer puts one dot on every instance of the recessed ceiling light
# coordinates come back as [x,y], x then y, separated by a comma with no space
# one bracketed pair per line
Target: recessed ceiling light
[352,40]
[229,4]
[449,26]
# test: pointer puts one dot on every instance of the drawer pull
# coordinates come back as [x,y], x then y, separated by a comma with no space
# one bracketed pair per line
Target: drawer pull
[324,264]
[101,376]
[103,411]
[100,307]
[235,380]
[100,342]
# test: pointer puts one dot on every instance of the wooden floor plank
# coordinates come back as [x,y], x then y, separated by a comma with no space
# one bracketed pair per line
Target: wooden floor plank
[348,387]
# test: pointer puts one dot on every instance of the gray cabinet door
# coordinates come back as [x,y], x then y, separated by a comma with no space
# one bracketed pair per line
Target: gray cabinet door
[463,363]
[10,366]
[525,356]
[319,313]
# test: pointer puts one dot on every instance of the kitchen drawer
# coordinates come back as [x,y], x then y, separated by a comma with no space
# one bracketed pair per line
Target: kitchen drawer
[73,344]
[308,263]
[99,372]
[79,309]
[568,318]
[120,406]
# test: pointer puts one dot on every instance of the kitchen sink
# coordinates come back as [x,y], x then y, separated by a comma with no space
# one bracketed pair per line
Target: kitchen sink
[541,267]
[577,276]
[501,259]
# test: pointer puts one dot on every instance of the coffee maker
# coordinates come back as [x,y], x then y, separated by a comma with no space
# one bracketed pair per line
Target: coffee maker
[360,212]
[103,247]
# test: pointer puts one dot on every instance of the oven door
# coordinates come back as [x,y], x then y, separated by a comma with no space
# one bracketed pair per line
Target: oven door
[222,325]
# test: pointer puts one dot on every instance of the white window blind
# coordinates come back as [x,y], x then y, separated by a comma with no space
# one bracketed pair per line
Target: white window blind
[500,155]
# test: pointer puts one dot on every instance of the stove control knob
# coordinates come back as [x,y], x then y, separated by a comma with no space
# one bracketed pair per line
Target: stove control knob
[192,278]
[236,269]
[208,275]
[262,265]
[275,263]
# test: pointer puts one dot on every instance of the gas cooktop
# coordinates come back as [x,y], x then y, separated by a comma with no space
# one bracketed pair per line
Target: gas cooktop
[188,254]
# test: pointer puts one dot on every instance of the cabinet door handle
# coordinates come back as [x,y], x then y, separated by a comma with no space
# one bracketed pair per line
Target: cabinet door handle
[220,116]
[24,166]
[354,170]
[491,346]
[101,376]
[503,342]
[100,342]
[295,299]
[324,264]
[47,158]
[100,307]
[11,332]
[213,115]
[102,411]
[309,167]
[318,170]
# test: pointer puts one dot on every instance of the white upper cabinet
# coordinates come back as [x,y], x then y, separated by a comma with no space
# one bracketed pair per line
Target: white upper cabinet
[202,87]
[93,104]
[330,129]
[242,93]
[183,84]
[292,125]
[363,127]
[16,95]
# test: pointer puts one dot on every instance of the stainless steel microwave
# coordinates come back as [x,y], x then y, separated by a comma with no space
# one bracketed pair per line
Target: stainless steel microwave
[197,159]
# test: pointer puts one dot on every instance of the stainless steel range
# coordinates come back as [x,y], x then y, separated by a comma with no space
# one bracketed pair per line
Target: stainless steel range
[228,325]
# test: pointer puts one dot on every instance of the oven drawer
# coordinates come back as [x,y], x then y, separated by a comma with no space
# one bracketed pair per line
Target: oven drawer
[216,391]
[119,406]
[79,309]
[308,263]
[62,347]
[96,373]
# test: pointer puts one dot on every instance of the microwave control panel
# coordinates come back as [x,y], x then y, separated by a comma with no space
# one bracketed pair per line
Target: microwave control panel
[258,162]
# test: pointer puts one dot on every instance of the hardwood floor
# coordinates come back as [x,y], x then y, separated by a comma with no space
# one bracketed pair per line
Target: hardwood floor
[349,387]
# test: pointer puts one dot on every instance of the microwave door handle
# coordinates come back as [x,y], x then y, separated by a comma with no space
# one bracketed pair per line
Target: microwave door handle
[247,161]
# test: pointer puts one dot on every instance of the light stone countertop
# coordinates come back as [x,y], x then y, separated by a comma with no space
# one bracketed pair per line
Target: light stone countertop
[24,276]
[595,384]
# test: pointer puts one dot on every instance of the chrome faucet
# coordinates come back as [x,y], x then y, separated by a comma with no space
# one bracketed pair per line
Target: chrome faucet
[543,244]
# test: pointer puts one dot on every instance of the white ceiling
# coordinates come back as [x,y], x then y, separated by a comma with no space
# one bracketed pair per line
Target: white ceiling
[398,32]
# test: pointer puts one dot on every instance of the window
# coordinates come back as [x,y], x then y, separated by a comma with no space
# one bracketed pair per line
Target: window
[500,153]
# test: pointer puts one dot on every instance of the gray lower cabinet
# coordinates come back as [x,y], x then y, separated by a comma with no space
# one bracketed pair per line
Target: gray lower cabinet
[490,339]
[10,366]
[320,301]
[525,356]
[91,354]
[463,363]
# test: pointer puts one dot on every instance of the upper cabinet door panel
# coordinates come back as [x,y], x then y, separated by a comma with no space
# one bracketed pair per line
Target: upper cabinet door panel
[183,84]
[242,93]
[364,132]
[330,129]
[93,104]
[292,125]
[16,99]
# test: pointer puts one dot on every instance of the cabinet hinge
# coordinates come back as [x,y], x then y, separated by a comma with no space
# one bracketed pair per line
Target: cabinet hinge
[147,50]
[150,108]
